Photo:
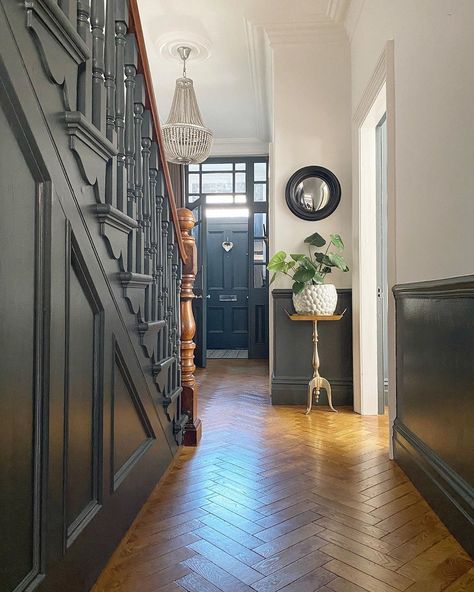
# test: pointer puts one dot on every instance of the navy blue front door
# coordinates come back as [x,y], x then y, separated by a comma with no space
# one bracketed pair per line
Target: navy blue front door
[227,284]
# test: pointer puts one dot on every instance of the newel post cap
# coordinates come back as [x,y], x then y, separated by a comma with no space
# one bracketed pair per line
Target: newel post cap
[186,220]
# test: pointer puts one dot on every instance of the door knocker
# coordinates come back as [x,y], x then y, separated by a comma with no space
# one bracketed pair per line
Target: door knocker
[227,245]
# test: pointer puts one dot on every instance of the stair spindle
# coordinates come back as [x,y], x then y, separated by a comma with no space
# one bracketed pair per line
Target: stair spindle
[98,65]
[131,59]
[121,27]
[84,77]
[139,108]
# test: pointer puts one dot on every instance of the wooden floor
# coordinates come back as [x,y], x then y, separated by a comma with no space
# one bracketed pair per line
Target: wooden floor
[274,500]
[233,354]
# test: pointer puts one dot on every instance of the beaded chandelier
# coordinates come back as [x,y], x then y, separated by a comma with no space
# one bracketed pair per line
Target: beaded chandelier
[186,139]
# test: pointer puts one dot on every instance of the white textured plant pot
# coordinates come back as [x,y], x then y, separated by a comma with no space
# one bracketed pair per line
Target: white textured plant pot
[319,299]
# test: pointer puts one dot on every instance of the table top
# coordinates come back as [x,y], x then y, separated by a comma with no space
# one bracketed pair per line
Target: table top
[299,317]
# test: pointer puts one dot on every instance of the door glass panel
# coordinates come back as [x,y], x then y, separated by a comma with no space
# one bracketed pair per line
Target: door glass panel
[219,199]
[260,171]
[193,198]
[260,192]
[259,251]
[259,276]
[240,182]
[259,224]
[240,166]
[193,183]
[193,167]
[217,183]
[217,166]
[240,199]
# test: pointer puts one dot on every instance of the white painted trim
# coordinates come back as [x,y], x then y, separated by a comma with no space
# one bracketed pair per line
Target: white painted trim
[311,31]
[336,10]
[364,260]
[260,69]
[239,147]
[352,17]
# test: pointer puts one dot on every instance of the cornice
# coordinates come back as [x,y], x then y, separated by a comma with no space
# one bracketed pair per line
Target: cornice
[304,32]
[353,12]
[239,147]
[336,10]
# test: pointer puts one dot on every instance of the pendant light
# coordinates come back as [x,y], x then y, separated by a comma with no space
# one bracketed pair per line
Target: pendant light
[186,139]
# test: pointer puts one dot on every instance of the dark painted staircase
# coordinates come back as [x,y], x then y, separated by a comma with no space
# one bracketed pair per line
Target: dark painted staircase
[90,276]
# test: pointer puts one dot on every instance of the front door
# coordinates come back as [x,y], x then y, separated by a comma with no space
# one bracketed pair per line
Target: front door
[227,284]
[230,195]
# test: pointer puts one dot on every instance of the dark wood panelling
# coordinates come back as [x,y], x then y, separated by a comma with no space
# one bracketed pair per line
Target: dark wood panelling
[434,439]
[83,426]
[132,433]
[292,353]
[64,506]
[22,318]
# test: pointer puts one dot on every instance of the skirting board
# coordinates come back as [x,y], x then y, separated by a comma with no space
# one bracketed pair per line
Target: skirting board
[294,391]
[448,494]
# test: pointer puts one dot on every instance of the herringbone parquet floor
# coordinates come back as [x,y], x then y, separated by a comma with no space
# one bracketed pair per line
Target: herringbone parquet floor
[274,500]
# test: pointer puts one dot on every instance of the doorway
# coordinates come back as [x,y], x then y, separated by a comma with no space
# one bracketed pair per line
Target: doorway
[228,197]
[374,233]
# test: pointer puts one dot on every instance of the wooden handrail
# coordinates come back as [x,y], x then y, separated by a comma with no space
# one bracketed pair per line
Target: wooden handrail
[144,68]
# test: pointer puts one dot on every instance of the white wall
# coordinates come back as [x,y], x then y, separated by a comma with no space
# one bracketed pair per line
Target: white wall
[434,126]
[311,126]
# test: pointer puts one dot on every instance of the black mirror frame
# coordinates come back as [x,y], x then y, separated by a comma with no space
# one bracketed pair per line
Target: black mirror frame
[305,173]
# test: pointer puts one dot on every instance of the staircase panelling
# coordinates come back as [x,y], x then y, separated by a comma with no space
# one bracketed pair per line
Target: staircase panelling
[92,254]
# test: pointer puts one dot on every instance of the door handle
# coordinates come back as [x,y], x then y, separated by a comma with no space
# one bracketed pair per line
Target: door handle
[200,296]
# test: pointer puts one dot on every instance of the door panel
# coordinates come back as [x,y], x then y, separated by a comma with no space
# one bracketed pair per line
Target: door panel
[227,284]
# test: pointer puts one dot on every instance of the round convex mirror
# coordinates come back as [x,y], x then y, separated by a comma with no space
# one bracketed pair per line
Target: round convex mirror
[313,193]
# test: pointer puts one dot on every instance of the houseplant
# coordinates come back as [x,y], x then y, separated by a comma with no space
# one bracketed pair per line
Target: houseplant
[311,295]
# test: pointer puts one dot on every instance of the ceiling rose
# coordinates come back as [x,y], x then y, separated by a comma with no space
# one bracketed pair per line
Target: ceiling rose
[169,43]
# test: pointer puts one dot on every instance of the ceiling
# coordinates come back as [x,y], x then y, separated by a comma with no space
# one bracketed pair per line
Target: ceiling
[231,62]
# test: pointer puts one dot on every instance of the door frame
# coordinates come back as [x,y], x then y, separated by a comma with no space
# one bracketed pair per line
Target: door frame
[379,97]
[382,284]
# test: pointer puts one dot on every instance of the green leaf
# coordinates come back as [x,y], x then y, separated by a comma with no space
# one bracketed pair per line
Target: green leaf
[290,264]
[315,239]
[278,266]
[298,287]
[297,256]
[307,263]
[322,258]
[276,260]
[326,270]
[337,241]
[304,275]
[338,261]
[273,278]
[318,278]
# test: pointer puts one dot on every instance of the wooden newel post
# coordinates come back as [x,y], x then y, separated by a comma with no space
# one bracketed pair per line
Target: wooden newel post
[189,396]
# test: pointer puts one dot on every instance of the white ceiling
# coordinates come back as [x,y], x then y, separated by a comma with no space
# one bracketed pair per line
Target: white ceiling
[232,83]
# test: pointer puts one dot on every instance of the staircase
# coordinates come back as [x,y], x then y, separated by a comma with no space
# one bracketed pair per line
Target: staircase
[93,257]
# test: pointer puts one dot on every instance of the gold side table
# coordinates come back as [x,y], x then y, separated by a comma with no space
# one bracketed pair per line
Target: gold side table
[317,382]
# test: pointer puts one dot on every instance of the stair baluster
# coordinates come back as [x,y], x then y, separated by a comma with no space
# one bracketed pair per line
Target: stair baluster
[98,65]
[121,27]
[131,60]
